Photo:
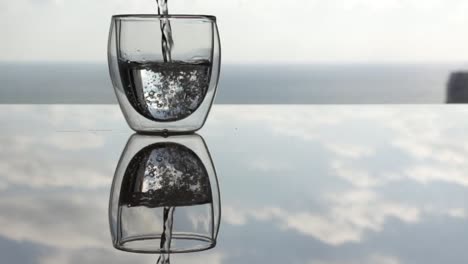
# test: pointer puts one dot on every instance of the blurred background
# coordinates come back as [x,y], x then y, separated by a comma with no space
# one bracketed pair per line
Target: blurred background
[298,51]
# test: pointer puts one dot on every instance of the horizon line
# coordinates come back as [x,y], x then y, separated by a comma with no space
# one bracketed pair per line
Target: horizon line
[261,63]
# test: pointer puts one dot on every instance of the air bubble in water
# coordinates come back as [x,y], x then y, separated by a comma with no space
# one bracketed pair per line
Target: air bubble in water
[166,91]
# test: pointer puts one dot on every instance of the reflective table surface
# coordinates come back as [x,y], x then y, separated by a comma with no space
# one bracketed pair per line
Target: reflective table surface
[298,184]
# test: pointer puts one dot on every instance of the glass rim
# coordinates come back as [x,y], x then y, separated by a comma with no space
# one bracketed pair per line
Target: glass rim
[154,16]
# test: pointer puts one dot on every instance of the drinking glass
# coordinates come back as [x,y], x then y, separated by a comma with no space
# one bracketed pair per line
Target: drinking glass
[165,80]
[165,196]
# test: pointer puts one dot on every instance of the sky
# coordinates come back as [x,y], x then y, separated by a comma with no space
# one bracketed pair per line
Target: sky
[269,31]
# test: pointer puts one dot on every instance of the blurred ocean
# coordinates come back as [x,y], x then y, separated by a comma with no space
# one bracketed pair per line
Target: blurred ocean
[83,83]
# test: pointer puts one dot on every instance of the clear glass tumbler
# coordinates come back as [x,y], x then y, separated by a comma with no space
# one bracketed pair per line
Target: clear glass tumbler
[165,80]
[165,196]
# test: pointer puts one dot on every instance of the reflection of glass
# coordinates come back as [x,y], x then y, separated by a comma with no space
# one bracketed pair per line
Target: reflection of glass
[165,196]
[457,88]
[156,93]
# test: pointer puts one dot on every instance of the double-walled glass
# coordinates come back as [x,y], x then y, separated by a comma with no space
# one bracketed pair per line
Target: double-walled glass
[165,196]
[165,80]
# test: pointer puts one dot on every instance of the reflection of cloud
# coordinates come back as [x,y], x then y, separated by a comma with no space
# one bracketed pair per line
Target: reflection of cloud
[266,213]
[73,227]
[268,165]
[321,228]
[366,210]
[349,217]
[438,158]
[110,255]
[23,252]
[28,161]
[375,149]
[63,118]
[358,177]
[426,150]
[208,258]
[200,221]
[348,213]
[73,116]
[373,259]
[419,151]
[76,141]
[38,172]
[233,216]
[36,219]
[37,158]
[280,120]
[350,150]
[88,255]
[427,174]
[458,213]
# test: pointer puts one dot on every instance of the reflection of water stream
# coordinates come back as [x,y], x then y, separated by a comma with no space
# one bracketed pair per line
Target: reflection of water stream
[163,259]
[165,245]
